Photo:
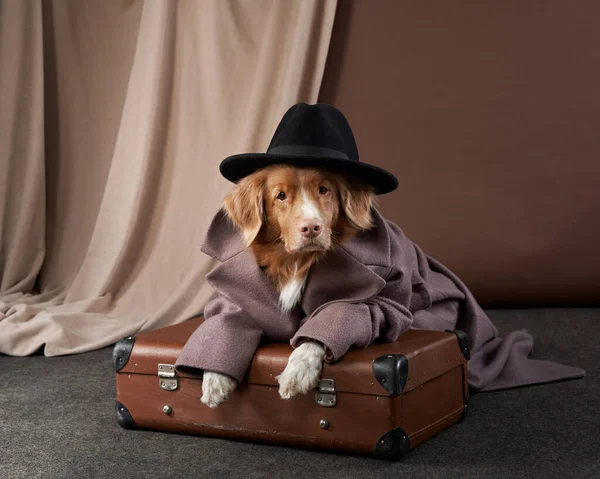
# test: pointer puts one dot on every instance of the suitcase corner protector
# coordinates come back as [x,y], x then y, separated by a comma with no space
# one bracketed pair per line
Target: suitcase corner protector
[393,445]
[391,371]
[122,351]
[124,418]
[462,342]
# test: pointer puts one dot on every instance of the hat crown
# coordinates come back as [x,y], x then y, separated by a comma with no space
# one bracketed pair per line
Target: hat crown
[317,126]
[311,136]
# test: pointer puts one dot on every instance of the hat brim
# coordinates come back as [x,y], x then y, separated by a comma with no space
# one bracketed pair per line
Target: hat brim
[236,167]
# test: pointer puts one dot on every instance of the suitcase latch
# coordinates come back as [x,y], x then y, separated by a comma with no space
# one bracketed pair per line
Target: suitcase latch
[325,393]
[166,377]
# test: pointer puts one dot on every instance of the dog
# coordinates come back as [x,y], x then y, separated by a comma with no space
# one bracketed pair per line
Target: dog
[290,218]
[303,255]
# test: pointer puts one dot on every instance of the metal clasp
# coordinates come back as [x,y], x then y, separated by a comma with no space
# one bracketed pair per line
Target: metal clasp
[166,377]
[325,394]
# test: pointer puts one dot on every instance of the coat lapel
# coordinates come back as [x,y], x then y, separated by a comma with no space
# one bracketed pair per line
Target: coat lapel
[240,279]
[339,277]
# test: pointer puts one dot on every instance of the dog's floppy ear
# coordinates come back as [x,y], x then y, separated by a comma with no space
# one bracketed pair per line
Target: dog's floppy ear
[357,199]
[245,206]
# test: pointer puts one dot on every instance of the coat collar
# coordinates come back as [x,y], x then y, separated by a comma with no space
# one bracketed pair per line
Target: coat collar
[342,275]
[223,241]
[371,247]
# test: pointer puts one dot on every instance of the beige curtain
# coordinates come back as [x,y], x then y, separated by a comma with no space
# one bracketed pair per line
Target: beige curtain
[113,119]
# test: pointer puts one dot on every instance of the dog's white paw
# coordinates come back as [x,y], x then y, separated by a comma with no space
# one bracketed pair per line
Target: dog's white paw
[302,371]
[216,388]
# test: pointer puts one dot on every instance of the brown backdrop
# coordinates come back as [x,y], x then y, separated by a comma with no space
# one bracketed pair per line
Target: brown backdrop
[489,114]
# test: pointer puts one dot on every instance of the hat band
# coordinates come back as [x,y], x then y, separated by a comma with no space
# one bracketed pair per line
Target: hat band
[308,150]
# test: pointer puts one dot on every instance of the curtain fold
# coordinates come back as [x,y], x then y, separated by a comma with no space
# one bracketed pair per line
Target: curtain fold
[143,100]
[22,188]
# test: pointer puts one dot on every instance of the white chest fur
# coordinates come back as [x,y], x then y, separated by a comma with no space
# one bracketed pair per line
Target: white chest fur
[291,293]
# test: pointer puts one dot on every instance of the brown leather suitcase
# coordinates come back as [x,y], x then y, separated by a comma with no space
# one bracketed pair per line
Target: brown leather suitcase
[382,400]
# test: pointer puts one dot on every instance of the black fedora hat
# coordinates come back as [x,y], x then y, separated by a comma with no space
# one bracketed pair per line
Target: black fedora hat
[311,135]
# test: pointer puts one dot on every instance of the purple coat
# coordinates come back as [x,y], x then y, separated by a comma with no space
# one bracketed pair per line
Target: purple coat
[372,288]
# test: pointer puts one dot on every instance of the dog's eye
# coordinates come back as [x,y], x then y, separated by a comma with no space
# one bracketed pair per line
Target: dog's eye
[323,190]
[281,196]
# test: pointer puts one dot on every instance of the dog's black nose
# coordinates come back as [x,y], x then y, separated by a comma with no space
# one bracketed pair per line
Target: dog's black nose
[310,229]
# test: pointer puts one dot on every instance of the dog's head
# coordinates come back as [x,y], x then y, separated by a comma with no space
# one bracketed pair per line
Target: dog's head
[305,209]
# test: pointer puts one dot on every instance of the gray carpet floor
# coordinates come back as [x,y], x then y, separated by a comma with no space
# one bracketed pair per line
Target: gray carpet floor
[57,419]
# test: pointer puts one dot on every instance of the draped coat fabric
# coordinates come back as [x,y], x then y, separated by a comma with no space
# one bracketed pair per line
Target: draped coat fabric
[372,288]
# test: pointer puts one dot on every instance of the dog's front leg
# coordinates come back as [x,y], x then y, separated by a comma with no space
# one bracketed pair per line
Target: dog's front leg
[216,387]
[302,371]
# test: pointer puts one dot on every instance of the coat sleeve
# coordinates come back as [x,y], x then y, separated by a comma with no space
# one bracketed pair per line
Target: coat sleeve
[342,325]
[225,342]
